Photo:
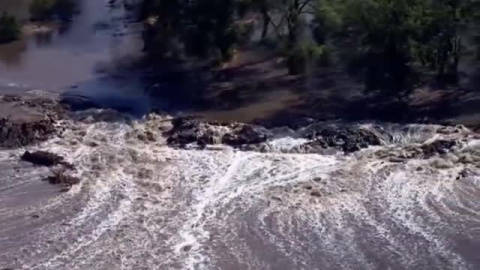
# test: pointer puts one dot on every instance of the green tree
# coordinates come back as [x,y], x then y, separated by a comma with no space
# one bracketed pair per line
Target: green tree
[41,9]
[47,9]
[202,28]
[9,28]
[387,42]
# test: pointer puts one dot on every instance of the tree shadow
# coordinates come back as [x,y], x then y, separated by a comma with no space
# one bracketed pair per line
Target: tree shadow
[334,97]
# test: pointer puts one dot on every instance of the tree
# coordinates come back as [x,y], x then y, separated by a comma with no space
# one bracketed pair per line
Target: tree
[9,28]
[439,43]
[42,9]
[202,28]
[47,9]
[389,43]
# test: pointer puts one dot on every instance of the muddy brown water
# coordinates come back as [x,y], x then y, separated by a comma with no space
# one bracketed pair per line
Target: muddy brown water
[145,205]
[78,58]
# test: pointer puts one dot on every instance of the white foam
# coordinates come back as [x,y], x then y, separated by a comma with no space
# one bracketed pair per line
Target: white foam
[191,209]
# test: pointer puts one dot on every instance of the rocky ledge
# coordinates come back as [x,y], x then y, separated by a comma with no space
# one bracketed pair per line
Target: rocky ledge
[194,130]
[187,130]
[347,138]
[319,137]
[25,120]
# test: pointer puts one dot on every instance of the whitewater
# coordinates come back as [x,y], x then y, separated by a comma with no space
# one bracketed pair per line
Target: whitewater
[143,204]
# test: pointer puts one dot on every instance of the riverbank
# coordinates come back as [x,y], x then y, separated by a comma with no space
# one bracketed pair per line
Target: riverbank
[255,87]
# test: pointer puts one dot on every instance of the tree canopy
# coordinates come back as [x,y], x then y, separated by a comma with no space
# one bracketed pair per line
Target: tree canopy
[386,43]
[9,28]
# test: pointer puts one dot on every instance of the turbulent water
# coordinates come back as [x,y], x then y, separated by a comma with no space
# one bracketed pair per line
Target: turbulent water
[144,205]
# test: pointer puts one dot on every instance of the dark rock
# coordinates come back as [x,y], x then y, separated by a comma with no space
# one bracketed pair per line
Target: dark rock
[11,98]
[188,130]
[150,136]
[185,130]
[22,133]
[187,248]
[92,144]
[437,147]
[316,194]
[249,134]
[464,174]
[35,216]
[60,178]
[24,121]
[348,138]
[43,158]
[317,179]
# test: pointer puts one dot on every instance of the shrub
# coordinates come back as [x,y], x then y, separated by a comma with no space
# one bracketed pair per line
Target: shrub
[42,9]
[46,9]
[305,53]
[9,28]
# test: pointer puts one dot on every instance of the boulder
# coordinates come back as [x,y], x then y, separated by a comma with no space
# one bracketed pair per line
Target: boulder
[348,138]
[21,133]
[188,130]
[27,120]
[43,158]
[438,147]
[60,178]
[248,134]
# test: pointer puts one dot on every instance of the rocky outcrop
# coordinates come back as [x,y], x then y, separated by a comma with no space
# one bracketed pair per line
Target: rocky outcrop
[61,178]
[348,138]
[27,120]
[437,148]
[247,134]
[188,130]
[21,133]
[43,158]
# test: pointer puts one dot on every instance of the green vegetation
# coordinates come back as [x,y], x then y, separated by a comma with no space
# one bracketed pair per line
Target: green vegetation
[393,43]
[389,44]
[48,9]
[9,28]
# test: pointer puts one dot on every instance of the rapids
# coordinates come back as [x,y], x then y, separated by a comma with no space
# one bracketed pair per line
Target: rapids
[145,205]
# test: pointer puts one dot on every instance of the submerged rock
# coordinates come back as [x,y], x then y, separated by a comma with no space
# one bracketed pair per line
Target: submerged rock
[437,147]
[43,158]
[60,178]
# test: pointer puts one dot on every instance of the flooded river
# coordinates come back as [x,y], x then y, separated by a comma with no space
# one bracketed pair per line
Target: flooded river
[145,205]
[79,58]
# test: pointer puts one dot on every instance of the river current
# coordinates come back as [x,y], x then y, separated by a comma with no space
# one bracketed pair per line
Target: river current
[142,204]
